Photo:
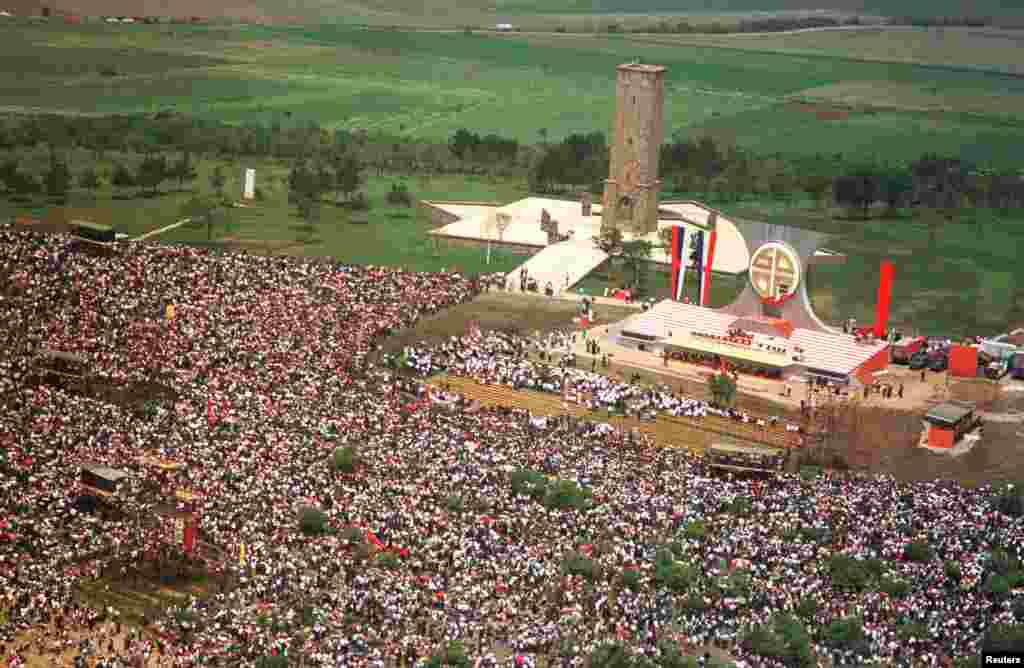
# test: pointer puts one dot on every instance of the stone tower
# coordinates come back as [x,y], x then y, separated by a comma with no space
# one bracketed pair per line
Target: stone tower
[630,200]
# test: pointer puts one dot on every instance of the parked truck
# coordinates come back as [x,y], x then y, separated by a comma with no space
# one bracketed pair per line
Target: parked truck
[903,349]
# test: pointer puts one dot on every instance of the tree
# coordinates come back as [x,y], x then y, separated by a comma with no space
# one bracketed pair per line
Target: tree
[184,170]
[635,254]
[312,521]
[217,181]
[786,639]
[919,551]
[58,177]
[9,172]
[122,177]
[203,210]
[344,459]
[349,178]
[89,179]
[609,240]
[1009,500]
[309,210]
[399,195]
[816,187]
[301,182]
[324,180]
[152,172]
[722,388]
[894,190]
[463,142]
[846,634]
[856,192]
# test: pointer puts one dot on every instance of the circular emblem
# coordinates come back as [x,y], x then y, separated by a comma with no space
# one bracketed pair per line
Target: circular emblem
[775,271]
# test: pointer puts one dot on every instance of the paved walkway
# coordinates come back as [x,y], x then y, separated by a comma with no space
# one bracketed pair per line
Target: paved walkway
[163,229]
[562,264]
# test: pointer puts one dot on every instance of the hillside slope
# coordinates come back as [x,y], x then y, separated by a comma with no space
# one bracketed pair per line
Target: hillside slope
[460,12]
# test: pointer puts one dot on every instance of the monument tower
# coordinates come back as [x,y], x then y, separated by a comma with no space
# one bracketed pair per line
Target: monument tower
[630,200]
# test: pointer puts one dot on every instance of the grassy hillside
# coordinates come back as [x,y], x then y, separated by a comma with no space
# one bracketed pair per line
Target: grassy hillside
[483,12]
[423,84]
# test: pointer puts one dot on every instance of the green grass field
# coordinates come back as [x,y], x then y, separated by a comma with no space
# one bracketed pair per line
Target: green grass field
[394,235]
[961,286]
[423,84]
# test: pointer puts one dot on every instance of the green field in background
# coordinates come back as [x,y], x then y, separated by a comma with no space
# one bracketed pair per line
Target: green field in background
[427,85]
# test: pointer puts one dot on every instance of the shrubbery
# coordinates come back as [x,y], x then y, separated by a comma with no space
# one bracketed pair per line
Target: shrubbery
[1009,500]
[529,483]
[740,507]
[1004,638]
[359,202]
[454,503]
[786,640]
[952,570]
[696,529]
[918,551]
[911,630]
[344,459]
[806,607]
[851,574]
[555,494]
[399,195]
[312,521]
[672,574]
[893,587]
[694,602]
[565,494]
[579,564]
[846,633]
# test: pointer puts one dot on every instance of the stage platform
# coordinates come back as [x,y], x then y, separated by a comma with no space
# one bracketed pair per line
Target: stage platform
[675,326]
[476,223]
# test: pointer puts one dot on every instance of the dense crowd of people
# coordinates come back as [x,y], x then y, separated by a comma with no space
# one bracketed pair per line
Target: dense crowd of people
[272,367]
[505,358]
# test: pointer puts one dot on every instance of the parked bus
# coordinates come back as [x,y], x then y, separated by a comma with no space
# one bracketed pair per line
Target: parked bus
[93,231]
[746,458]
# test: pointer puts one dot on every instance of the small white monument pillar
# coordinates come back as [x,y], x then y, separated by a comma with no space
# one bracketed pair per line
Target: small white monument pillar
[249,189]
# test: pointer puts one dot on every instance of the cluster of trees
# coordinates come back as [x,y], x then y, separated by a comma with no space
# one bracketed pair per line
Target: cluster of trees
[151,172]
[578,160]
[767,24]
[723,172]
[554,493]
[950,21]
[282,138]
[937,187]
[340,173]
[489,148]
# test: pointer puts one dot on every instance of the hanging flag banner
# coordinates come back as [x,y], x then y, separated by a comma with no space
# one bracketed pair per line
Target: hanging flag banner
[709,258]
[697,261]
[678,262]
